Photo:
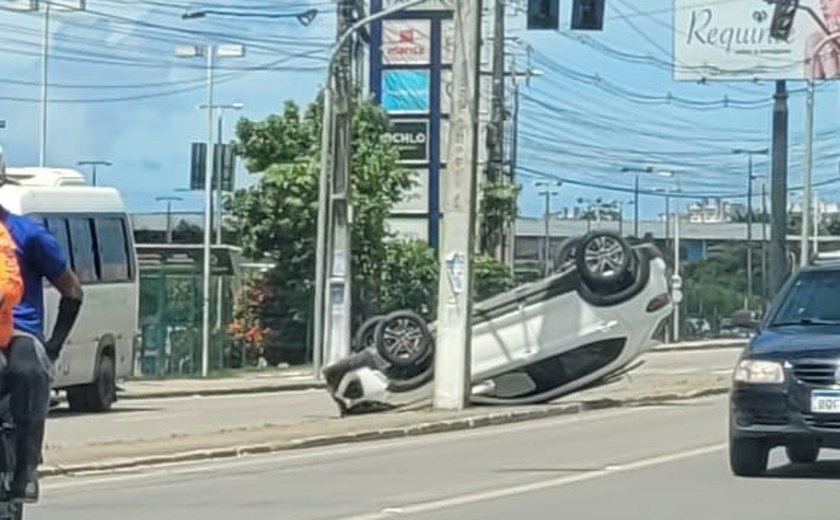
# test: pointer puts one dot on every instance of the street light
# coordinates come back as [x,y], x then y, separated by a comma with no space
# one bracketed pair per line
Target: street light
[94,164]
[168,199]
[220,140]
[210,52]
[548,193]
[637,171]
[305,18]
[323,182]
[34,6]
[750,178]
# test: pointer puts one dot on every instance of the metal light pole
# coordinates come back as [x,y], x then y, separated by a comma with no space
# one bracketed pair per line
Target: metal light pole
[764,278]
[220,283]
[45,66]
[319,323]
[548,193]
[168,200]
[637,171]
[93,165]
[33,6]
[220,140]
[209,52]
[807,182]
[750,178]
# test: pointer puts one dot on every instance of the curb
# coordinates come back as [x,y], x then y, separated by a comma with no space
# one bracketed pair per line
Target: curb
[443,426]
[265,389]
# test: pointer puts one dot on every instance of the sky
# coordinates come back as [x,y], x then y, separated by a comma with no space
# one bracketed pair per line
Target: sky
[602,100]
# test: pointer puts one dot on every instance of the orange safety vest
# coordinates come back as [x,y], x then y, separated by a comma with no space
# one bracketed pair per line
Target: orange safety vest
[11,285]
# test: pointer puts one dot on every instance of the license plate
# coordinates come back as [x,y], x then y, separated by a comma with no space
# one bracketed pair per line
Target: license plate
[825,402]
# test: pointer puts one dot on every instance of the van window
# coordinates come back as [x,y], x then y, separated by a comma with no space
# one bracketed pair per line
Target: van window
[113,249]
[58,227]
[82,245]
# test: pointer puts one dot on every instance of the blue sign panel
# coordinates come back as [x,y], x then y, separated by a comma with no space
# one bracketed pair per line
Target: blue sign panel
[406,91]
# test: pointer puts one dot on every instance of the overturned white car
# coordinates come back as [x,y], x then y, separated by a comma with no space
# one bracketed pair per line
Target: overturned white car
[590,320]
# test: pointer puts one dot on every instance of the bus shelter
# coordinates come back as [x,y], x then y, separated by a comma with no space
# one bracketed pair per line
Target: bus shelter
[171,309]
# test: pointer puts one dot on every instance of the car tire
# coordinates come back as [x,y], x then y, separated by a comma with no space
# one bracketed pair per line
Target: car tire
[366,335]
[100,395]
[566,253]
[748,457]
[603,259]
[805,452]
[403,339]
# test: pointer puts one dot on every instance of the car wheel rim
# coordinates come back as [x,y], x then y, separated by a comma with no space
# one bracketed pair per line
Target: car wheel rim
[403,339]
[604,256]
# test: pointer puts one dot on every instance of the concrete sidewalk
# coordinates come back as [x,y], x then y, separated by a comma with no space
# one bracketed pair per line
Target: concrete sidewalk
[270,381]
[77,456]
[302,378]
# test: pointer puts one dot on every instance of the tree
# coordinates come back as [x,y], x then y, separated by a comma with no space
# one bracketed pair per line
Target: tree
[277,217]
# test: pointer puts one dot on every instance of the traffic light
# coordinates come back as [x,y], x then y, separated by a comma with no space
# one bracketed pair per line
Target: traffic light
[588,15]
[543,15]
[783,16]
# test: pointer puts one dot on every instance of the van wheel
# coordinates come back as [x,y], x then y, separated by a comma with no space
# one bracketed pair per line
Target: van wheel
[99,395]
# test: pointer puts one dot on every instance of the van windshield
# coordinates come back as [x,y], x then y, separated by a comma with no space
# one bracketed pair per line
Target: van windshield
[813,299]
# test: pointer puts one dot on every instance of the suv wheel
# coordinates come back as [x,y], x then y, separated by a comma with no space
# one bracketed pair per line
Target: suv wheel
[748,457]
[804,452]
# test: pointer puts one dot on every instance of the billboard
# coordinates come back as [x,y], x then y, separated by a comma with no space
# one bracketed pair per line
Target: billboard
[411,137]
[406,91]
[415,199]
[428,5]
[406,42]
[731,41]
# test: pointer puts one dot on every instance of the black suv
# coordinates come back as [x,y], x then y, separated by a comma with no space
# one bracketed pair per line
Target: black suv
[786,389]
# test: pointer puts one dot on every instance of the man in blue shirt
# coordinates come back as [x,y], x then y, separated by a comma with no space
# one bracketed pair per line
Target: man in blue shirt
[31,354]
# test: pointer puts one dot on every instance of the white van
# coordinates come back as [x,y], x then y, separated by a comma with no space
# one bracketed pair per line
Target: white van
[93,228]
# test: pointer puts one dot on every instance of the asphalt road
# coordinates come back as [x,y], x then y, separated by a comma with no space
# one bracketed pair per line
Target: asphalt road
[145,419]
[647,463]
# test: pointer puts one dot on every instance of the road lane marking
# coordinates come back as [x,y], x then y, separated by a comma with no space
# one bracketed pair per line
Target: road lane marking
[495,494]
[229,465]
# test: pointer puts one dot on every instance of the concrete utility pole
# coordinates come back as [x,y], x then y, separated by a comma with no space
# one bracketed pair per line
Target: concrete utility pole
[778,261]
[324,250]
[495,238]
[339,248]
[454,325]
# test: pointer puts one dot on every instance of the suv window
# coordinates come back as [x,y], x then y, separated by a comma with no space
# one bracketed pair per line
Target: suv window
[84,252]
[813,296]
[113,249]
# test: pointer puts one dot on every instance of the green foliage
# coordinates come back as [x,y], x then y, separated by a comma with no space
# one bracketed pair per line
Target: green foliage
[277,217]
[498,209]
[491,277]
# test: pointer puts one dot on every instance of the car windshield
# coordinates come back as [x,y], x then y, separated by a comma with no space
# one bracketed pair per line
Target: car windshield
[814,298]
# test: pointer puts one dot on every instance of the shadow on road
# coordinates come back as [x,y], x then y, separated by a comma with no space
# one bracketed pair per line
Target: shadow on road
[822,470]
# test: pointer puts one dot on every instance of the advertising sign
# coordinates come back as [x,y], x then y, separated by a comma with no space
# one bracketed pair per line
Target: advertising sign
[416,198]
[406,91]
[406,42]
[411,138]
[428,5]
[731,41]
[410,228]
